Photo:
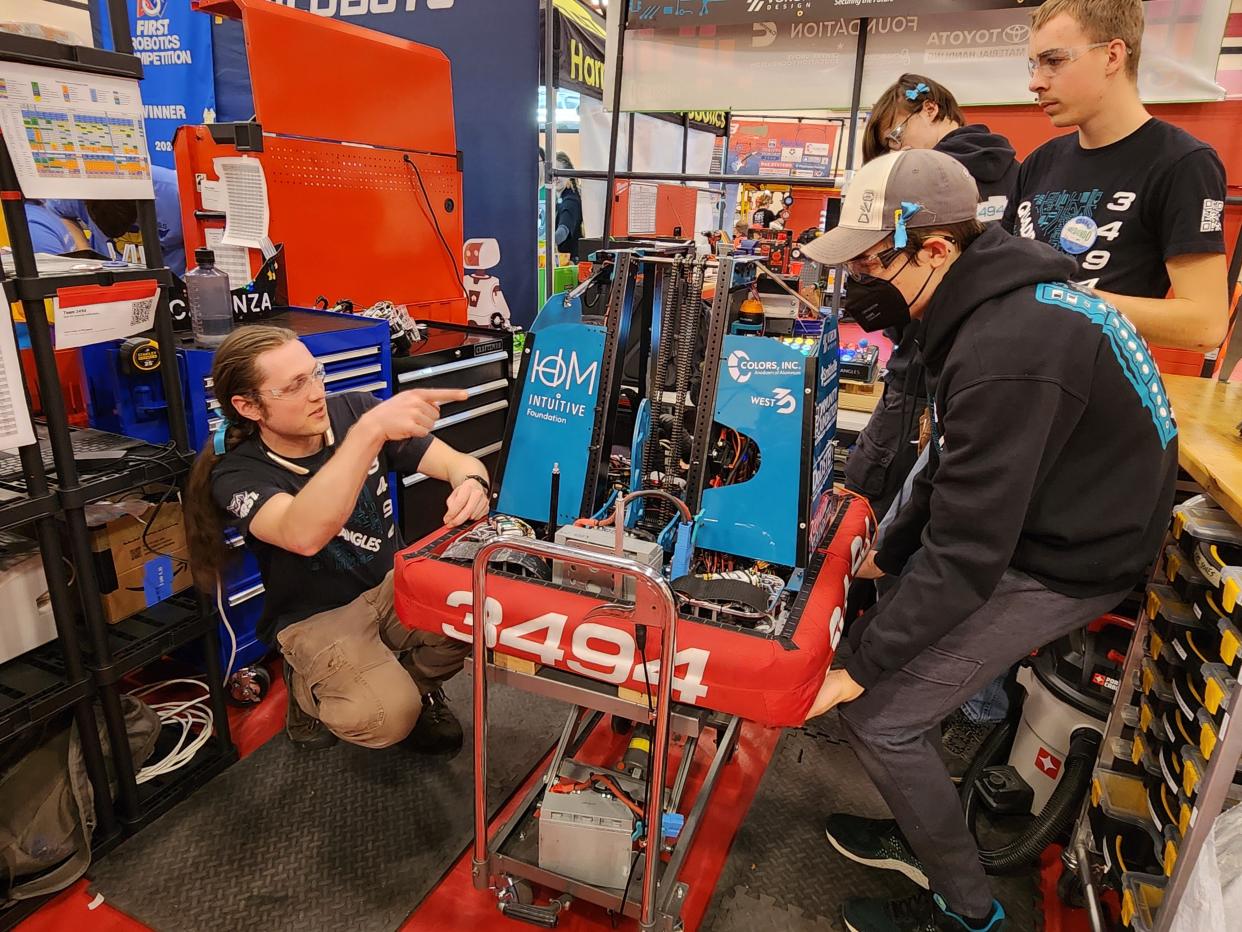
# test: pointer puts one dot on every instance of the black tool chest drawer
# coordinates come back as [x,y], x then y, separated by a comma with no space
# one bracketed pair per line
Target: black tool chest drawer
[454,356]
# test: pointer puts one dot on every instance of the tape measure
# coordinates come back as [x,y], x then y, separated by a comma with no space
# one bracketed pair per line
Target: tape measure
[139,356]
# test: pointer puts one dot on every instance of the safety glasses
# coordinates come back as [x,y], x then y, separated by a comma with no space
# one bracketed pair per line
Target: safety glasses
[299,387]
[1050,62]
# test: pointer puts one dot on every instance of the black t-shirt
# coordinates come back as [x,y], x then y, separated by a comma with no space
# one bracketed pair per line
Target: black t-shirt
[762,218]
[357,559]
[1123,209]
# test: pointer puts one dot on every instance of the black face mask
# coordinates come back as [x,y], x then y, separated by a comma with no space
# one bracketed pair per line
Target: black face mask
[877,304]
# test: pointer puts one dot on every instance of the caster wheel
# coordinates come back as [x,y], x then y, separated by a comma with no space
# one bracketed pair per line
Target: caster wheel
[621,726]
[248,686]
[513,890]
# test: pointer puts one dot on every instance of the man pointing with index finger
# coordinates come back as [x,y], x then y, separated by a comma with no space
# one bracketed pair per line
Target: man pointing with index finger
[304,478]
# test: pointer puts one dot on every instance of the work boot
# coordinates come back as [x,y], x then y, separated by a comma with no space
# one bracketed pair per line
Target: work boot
[437,730]
[875,843]
[305,731]
[922,912]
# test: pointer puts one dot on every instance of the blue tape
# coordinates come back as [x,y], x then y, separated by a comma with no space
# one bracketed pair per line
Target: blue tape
[683,550]
[217,438]
[157,579]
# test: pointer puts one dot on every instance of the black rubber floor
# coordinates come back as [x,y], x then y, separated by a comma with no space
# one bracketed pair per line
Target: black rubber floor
[347,838]
[783,876]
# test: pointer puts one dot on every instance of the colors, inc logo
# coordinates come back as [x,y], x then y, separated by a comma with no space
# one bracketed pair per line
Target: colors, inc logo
[738,359]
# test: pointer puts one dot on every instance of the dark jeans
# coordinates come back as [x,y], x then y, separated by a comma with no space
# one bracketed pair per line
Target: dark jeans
[894,725]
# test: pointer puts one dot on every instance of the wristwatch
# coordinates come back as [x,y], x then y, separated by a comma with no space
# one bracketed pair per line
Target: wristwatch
[481,481]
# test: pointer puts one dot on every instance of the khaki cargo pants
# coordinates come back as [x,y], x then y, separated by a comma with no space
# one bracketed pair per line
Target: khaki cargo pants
[363,673]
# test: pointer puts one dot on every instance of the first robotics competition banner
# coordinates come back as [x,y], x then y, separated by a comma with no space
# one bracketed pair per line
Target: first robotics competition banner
[742,50]
[178,86]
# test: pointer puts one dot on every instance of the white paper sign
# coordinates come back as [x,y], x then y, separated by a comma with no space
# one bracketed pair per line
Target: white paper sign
[246,213]
[234,261]
[15,428]
[642,212]
[213,196]
[73,135]
[92,314]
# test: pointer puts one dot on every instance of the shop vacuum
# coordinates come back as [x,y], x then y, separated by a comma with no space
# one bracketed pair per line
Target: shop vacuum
[1048,744]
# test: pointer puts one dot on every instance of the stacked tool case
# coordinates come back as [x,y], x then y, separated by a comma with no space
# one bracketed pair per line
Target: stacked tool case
[1169,764]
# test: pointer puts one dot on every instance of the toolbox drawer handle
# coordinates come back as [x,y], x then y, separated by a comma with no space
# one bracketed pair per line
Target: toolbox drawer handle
[417,375]
[415,478]
[475,390]
[237,598]
[470,415]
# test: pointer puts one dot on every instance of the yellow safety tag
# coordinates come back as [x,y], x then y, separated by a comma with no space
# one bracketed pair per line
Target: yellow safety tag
[1207,741]
[1127,908]
[1213,696]
[1229,645]
[1190,777]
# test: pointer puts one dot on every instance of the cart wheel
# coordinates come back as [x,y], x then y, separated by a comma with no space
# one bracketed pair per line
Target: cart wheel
[513,890]
[621,726]
[1069,889]
[248,686]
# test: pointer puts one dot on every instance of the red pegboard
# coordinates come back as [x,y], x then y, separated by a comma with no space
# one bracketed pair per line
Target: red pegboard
[343,150]
[353,220]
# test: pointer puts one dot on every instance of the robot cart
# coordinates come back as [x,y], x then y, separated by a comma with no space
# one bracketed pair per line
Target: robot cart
[512,853]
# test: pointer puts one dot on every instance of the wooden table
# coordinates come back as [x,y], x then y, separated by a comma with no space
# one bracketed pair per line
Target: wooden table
[1209,448]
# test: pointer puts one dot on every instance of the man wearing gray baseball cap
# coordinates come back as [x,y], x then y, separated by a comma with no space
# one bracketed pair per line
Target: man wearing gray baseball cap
[1054,453]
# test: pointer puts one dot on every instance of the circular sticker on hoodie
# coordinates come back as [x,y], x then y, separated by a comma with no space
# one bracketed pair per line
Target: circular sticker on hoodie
[1078,235]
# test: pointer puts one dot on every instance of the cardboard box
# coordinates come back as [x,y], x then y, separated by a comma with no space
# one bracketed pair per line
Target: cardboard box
[134,575]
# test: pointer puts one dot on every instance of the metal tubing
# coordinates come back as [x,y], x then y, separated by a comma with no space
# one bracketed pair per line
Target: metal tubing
[118,20]
[215,678]
[790,180]
[549,139]
[611,175]
[170,372]
[63,613]
[696,813]
[655,606]
[1094,914]
[860,54]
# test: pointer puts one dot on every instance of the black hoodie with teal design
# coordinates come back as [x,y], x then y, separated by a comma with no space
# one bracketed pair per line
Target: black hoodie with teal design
[1057,450]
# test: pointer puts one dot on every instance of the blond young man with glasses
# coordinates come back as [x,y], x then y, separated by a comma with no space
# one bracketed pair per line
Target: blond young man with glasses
[1138,203]
[303,477]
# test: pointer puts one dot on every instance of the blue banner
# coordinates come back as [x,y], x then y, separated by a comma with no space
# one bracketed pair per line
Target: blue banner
[493,47]
[178,86]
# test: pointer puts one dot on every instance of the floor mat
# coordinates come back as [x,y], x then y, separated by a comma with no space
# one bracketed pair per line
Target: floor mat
[347,838]
[783,874]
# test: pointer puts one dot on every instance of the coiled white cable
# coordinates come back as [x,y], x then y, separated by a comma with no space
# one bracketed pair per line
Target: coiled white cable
[196,721]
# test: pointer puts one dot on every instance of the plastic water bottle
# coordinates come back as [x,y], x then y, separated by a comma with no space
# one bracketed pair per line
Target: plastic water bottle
[211,305]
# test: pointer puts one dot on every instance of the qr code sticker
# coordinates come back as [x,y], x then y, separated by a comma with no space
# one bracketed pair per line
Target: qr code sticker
[1210,221]
[140,313]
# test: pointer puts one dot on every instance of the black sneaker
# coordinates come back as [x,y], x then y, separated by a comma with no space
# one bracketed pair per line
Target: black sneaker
[923,912]
[876,843]
[960,741]
[305,731]
[437,730]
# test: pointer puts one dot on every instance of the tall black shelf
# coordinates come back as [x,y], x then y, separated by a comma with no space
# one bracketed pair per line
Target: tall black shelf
[44,489]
